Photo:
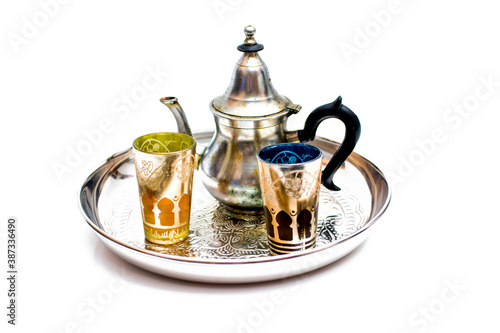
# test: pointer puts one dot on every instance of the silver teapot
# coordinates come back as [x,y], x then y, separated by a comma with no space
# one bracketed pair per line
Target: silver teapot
[249,116]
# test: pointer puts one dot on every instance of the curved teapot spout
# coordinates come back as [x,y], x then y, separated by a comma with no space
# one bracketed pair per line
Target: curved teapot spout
[180,116]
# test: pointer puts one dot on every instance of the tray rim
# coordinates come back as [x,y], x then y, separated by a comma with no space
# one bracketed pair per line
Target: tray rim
[109,165]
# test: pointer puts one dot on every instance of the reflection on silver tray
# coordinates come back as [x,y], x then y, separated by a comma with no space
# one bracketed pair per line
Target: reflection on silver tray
[109,202]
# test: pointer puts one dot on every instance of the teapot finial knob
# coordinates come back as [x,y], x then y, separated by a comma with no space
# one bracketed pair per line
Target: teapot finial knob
[250,45]
[249,32]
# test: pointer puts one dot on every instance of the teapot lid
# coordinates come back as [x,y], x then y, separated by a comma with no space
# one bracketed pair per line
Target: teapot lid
[250,92]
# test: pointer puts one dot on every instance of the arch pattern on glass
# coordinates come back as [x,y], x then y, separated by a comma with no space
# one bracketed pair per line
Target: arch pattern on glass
[166,219]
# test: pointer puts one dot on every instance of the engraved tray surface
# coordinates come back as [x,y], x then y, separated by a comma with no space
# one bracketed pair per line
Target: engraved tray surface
[110,204]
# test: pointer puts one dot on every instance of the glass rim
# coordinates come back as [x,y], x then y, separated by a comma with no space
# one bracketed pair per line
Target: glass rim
[260,159]
[134,146]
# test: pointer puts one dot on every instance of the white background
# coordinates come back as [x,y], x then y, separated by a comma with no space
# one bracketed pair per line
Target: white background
[436,249]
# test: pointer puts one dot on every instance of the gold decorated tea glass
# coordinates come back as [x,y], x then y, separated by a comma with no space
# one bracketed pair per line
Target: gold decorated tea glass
[164,164]
[290,178]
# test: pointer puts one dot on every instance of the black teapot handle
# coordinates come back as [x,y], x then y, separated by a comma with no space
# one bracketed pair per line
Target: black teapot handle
[352,132]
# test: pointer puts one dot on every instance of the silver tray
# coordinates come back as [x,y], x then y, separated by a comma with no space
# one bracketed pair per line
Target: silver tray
[222,247]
